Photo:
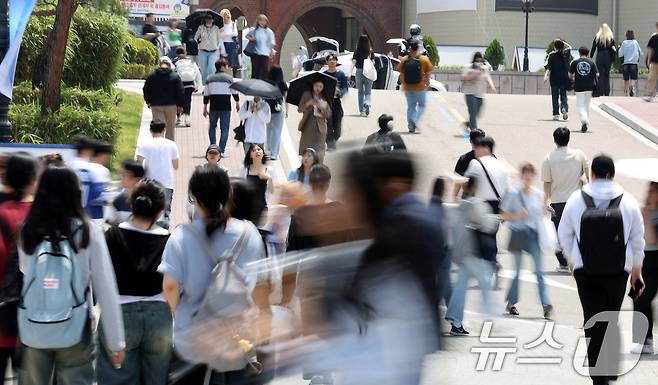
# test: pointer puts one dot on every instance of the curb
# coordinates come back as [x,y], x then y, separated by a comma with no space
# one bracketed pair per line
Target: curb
[632,121]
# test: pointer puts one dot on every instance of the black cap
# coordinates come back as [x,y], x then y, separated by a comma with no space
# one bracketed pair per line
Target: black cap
[213,148]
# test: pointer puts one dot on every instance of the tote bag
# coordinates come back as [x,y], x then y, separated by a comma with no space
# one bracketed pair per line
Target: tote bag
[369,70]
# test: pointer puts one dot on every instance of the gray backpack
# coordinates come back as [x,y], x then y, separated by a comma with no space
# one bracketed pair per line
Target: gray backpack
[54,305]
[222,327]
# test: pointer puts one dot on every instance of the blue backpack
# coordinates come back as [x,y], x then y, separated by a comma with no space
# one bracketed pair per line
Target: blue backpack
[54,305]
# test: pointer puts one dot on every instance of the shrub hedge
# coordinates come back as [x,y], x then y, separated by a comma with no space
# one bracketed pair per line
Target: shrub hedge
[90,99]
[139,51]
[135,71]
[495,54]
[432,50]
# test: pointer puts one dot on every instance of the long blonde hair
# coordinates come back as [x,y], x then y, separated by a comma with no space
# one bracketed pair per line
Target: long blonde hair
[225,12]
[604,35]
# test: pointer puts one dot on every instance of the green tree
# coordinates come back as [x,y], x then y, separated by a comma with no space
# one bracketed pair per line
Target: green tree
[495,54]
[551,47]
[432,50]
[110,6]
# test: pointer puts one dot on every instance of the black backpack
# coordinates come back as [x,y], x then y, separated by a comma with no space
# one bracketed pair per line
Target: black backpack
[602,244]
[412,70]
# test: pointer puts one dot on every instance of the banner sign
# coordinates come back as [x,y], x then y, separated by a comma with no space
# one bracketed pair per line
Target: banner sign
[429,6]
[572,6]
[161,9]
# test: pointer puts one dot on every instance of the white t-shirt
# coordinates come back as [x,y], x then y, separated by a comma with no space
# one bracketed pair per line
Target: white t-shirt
[497,173]
[158,155]
[228,31]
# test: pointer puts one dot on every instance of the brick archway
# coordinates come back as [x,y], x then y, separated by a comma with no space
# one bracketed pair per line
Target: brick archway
[381,20]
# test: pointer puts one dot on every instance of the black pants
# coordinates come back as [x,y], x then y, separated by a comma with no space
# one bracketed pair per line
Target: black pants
[643,304]
[604,62]
[7,354]
[335,124]
[599,293]
[559,209]
[559,98]
[237,377]
[260,66]
[187,101]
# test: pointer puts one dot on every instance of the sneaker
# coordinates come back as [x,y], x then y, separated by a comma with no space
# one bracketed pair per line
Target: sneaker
[511,309]
[460,331]
[363,114]
[367,106]
[584,127]
[548,312]
[562,269]
[642,349]
[178,122]
[648,99]
[556,117]
[631,92]
[565,114]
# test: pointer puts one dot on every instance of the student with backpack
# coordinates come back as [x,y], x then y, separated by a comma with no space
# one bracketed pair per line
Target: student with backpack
[602,236]
[21,177]
[65,261]
[194,258]
[191,76]
[415,71]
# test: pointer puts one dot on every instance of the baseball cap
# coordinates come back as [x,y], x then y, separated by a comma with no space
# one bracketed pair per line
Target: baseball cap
[213,148]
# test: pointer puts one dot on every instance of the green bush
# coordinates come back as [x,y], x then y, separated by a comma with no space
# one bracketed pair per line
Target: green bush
[139,51]
[495,54]
[432,50]
[617,64]
[551,47]
[90,99]
[28,126]
[135,71]
[94,48]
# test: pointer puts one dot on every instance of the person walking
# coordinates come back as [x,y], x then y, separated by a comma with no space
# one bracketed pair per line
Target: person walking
[256,114]
[441,210]
[604,42]
[314,105]
[190,75]
[585,74]
[174,38]
[475,79]
[120,210]
[229,35]
[93,177]
[149,31]
[630,53]
[649,271]
[210,45]
[298,60]
[563,171]
[602,236]
[414,72]
[557,70]
[265,42]
[257,172]
[363,84]
[159,156]
[57,213]
[385,139]
[335,124]
[21,176]
[523,209]
[217,94]
[302,173]
[136,248]
[187,266]
[191,45]
[465,160]
[490,173]
[652,59]
[279,110]
[164,94]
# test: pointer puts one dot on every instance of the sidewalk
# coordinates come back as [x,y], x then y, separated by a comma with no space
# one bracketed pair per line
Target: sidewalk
[635,113]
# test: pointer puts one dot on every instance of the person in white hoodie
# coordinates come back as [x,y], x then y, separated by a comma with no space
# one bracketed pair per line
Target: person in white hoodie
[631,52]
[256,114]
[601,255]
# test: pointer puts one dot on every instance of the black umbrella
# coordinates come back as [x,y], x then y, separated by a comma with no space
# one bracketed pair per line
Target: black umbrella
[257,87]
[195,19]
[305,83]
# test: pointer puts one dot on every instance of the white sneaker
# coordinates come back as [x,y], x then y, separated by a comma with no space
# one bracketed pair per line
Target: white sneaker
[556,117]
[363,115]
[642,349]
[648,99]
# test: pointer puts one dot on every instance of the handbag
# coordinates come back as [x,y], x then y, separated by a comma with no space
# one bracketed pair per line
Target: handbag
[485,244]
[369,70]
[250,49]
[239,132]
[548,242]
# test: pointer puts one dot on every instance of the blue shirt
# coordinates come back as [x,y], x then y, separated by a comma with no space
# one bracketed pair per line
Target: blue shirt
[265,40]
[293,177]
[533,201]
[94,180]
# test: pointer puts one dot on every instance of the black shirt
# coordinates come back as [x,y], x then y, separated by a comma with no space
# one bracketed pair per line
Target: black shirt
[381,143]
[191,46]
[275,104]
[463,162]
[359,59]
[653,44]
[4,197]
[585,72]
[149,28]
[557,63]
[604,49]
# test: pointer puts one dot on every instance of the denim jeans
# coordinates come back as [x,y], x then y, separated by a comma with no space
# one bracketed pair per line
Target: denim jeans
[206,62]
[559,92]
[164,221]
[364,89]
[148,327]
[474,104]
[532,247]
[274,128]
[415,106]
[224,118]
[482,271]
[71,366]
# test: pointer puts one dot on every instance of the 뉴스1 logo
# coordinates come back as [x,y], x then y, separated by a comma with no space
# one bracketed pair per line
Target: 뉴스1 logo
[51,283]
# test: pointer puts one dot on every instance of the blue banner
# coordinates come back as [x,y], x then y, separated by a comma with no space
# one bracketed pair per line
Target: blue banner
[19,15]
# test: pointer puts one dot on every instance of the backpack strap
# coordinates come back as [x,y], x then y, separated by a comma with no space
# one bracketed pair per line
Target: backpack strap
[215,256]
[615,202]
[486,173]
[589,202]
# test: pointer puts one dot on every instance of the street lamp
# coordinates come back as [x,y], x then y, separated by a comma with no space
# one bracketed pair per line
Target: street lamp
[5,127]
[527,8]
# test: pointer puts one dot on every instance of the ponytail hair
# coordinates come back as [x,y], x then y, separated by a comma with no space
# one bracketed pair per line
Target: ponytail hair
[148,200]
[211,188]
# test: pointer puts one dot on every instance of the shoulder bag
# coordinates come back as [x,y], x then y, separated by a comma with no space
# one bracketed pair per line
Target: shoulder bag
[240,134]
[519,237]
[491,183]
[369,70]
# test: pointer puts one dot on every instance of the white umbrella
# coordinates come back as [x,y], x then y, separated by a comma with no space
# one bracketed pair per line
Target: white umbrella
[644,168]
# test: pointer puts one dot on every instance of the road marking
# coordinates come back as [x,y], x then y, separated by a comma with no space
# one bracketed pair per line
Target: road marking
[632,132]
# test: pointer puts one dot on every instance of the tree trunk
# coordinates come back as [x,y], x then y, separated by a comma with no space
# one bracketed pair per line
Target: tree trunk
[50,65]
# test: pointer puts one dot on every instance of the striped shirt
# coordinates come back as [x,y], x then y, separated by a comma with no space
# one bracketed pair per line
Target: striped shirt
[218,93]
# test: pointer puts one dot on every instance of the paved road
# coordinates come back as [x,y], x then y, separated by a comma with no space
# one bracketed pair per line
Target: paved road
[522,127]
